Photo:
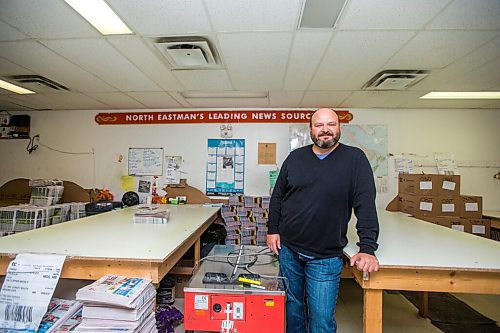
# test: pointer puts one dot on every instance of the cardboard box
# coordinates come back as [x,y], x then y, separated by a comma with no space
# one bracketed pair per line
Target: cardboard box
[417,184]
[478,227]
[181,281]
[418,205]
[455,223]
[449,206]
[471,206]
[448,185]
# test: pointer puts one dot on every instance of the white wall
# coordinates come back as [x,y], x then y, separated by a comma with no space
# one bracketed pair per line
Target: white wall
[472,135]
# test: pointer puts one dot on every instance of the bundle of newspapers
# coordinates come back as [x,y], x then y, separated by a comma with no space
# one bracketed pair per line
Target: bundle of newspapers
[62,316]
[118,304]
[151,215]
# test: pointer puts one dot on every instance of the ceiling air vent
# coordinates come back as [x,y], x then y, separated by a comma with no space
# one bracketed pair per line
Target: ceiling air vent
[37,82]
[188,52]
[395,79]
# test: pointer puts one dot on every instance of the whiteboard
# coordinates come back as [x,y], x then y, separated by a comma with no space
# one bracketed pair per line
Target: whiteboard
[145,161]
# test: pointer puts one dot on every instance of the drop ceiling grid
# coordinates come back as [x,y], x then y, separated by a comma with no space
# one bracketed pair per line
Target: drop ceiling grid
[155,100]
[145,59]
[102,60]
[438,49]
[40,101]
[469,14]
[259,56]
[410,99]
[160,18]
[439,77]
[283,99]
[43,61]
[307,50]
[77,100]
[209,80]
[229,102]
[482,78]
[367,99]
[8,33]
[117,100]
[353,57]
[314,99]
[254,15]
[391,14]
[46,19]
[9,68]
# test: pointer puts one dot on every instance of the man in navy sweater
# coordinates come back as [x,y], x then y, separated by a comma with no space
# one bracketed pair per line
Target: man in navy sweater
[316,191]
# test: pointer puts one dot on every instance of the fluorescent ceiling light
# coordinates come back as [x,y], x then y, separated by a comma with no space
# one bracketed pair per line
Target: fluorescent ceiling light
[224,94]
[12,87]
[462,95]
[321,13]
[100,15]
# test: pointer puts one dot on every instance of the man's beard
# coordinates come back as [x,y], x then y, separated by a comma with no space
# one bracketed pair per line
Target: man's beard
[325,144]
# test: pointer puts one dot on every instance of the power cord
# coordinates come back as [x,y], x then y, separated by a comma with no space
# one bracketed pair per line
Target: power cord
[31,147]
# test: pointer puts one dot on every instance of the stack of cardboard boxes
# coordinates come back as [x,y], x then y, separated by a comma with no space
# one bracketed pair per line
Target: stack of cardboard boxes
[437,199]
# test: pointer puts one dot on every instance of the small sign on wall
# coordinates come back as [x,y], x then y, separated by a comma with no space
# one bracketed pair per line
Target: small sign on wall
[267,153]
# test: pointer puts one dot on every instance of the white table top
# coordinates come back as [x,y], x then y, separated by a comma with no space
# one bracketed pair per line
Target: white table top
[112,235]
[407,242]
[492,213]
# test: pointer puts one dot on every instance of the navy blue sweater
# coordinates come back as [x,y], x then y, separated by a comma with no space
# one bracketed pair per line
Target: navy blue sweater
[313,199]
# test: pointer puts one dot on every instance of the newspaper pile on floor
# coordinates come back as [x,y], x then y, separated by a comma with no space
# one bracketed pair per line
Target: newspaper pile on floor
[118,304]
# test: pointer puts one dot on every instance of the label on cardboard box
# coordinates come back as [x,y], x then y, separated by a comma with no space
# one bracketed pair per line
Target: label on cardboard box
[448,208]
[426,206]
[478,229]
[447,185]
[426,185]
[471,207]
[458,227]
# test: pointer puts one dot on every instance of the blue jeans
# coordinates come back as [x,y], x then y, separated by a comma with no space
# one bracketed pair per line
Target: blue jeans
[312,287]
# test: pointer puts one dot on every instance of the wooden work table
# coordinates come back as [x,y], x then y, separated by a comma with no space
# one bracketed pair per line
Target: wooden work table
[110,243]
[420,256]
[494,215]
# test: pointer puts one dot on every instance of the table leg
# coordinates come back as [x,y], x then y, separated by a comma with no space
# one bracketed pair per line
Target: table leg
[372,311]
[197,250]
[423,309]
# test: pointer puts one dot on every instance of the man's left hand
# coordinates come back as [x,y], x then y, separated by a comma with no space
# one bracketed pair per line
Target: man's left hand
[365,262]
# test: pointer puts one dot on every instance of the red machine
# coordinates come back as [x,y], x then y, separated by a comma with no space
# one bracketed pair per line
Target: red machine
[217,300]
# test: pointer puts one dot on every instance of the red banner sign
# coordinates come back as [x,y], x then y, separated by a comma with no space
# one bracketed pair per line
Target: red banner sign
[222,116]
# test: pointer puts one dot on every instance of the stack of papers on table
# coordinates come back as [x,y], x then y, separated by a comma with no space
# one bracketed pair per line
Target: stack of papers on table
[118,304]
[151,215]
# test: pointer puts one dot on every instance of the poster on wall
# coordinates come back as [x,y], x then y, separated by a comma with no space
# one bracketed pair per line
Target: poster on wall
[225,167]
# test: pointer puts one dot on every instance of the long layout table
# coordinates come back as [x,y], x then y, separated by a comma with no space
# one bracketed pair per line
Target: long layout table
[110,243]
[420,256]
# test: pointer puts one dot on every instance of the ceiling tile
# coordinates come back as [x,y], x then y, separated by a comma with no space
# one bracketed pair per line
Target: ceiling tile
[279,99]
[318,99]
[368,99]
[161,18]
[438,49]
[254,15]
[8,33]
[480,79]
[411,99]
[99,58]
[146,59]
[210,80]
[260,56]
[9,68]
[353,57]
[469,14]
[46,19]
[307,51]
[229,102]
[391,14]
[41,60]
[77,101]
[117,100]
[155,100]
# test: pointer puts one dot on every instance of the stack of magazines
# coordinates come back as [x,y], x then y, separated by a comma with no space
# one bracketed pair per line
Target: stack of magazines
[151,215]
[118,304]
[61,316]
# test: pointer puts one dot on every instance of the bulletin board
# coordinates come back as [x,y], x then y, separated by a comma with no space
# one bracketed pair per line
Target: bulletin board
[145,161]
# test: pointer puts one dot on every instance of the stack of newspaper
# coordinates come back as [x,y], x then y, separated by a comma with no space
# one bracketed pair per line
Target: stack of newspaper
[151,215]
[61,316]
[118,304]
